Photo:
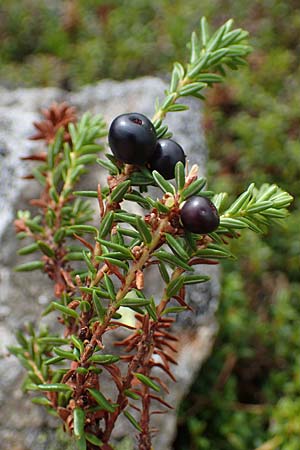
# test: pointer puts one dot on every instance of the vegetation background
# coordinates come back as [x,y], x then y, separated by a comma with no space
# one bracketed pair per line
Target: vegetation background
[247,395]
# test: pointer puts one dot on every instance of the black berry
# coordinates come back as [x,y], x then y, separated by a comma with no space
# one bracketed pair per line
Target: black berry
[132,138]
[167,154]
[199,215]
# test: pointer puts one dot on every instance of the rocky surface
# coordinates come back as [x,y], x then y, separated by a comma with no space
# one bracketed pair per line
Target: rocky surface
[24,426]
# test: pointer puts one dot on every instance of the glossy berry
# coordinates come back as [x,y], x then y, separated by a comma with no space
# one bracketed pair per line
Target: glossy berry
[132,138]
[167,154]
[199,215]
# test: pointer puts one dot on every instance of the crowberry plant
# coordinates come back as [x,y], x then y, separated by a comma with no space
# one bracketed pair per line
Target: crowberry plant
[96,270]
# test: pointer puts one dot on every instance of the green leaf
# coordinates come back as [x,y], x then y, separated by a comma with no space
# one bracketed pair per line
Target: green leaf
[93,439]
[260,207]
[114,261]
[178,107]
[54,360]
[119,248]
[46,249]
[101,400]
[176,245]
[132,421]
[174,310]
[65,354]
[98,306]
[77,343]
[104,359]
[82,229]
[195,279]
[109,286]
[78,422]
[229,222]
[130,301]
[242,201]
[126,217]
[139,199]
[131,394]
[204,31]
[41,401]
[144,230]
[171,259]
[52,340]
[119,191]
[147,381]
[108,165]
[174,286]
[193,189]
[81,443]
[87,259]
[106,224]
[29,266]
[54,387]
[179,175]
[191,88]
[64,309]
[89,194]
[164,273]
[162,183]
[28,249]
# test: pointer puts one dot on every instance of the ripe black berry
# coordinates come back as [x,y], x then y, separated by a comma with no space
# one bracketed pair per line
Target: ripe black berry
[199,215]
[132,138]
[167,154]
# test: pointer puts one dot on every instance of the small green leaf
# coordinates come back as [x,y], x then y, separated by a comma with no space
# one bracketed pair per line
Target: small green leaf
[101,400]
[98,306]
[82,229]
[162,183]
[130,301]
[106,224]
[179,175]
[28,249]
[109,286]
[65,354]
[108,165]
[120,248]
[78,422]
[119,191]
[133,421]
[88,262]
[52,340]
[144,230]
[147,381]
[174,310]
[64,309]
[54,360]
[77,343]
[46,249]
[174,286]
[176,245]
[55,387]
[229,222]
[81,443]
[171,259]
[104,359]
[139,199]
[114,261]
[126,217]
[28,267]
[89,194]
[93,439]
[193,189]
[131,394]
[41,401]
[195,279]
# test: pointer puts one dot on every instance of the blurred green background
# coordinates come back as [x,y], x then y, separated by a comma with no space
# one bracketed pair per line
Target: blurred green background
[247,395]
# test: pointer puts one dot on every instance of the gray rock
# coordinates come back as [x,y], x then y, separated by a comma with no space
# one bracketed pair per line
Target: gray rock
[22,297]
